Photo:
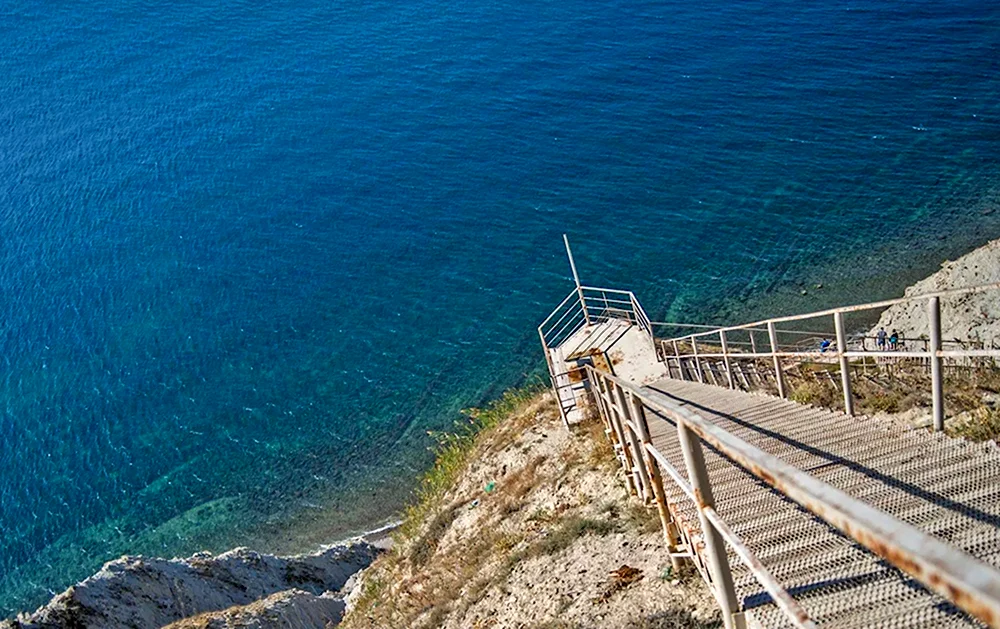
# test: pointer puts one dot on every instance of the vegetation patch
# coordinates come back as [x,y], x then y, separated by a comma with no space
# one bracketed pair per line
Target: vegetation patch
[674,619]
[423,548]
[452,456]
[814,393]
[982,425]
[571,530]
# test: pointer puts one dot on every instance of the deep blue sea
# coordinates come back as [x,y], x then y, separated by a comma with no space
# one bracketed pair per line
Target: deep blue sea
[251,252]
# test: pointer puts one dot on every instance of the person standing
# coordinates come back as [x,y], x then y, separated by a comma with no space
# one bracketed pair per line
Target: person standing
[880,339]
[894,340]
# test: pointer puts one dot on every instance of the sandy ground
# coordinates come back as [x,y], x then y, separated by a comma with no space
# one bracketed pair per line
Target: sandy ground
[538,532]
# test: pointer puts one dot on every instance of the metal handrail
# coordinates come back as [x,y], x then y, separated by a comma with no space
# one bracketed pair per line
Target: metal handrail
[969,583]
[934,352]
[848,309]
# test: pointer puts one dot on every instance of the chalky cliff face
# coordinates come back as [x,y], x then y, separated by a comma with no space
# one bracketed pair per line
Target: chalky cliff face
[537,530]
[971,318]
[228,589]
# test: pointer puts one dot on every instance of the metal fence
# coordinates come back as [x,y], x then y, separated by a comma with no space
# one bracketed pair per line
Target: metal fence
[735,345]
[625,409]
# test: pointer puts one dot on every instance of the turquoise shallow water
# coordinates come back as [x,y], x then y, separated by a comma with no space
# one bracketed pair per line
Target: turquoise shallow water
[250,254]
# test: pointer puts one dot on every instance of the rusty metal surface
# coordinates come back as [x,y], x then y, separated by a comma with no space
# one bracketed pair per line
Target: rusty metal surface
[946,488]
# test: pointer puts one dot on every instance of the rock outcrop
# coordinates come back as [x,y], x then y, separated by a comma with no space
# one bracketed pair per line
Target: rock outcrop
[966,318]
[144,592]
[291,608]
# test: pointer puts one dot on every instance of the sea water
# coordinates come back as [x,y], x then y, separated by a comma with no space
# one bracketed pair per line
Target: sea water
[250,253]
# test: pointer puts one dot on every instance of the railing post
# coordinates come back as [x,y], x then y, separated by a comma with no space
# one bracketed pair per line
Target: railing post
[753,343]
[602,409]
[722,576]
[638,458]
[697,361]
[662,351]
[779,376]
[937,385]
[680,365]
[845,373]
[725,359]
[552,379]
[670,535]
[619,431]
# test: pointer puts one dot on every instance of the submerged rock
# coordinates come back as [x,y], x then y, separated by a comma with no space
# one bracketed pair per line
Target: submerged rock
[146,592]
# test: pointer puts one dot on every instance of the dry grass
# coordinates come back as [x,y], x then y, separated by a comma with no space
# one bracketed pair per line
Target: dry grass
[415,585]
[466,551]
[568,532]
[813,393]
[673,619]
[982,425]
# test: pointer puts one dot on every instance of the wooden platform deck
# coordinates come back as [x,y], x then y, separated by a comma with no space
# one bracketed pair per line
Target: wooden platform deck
[946,487]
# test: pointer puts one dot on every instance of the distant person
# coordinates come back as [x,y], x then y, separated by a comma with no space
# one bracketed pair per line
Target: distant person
[894,340]
[880,339]
[824,345]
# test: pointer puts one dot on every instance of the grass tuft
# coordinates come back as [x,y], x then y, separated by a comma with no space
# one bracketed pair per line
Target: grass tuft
[814,393]
[983,425]
[452,455]
[571,530]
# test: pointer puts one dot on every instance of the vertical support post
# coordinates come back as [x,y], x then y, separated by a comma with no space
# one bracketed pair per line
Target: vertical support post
[845,368]
[725,359]
[662,353]
[552,379]
[680,365]
[619,431]
[779,376]
[602,409]
[576,279]
[718,561]
[638,458]
[670,535]
[937,384]
[697,361]
[753,342]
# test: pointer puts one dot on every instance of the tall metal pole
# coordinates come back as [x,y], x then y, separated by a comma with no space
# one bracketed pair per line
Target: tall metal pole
[937,385]
[576,279]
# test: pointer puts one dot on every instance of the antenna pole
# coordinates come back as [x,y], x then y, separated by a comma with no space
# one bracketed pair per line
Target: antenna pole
[576,279]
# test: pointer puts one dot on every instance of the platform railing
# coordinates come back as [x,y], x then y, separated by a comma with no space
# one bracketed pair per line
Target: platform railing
[685,359]
[586,305]
[967,582]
